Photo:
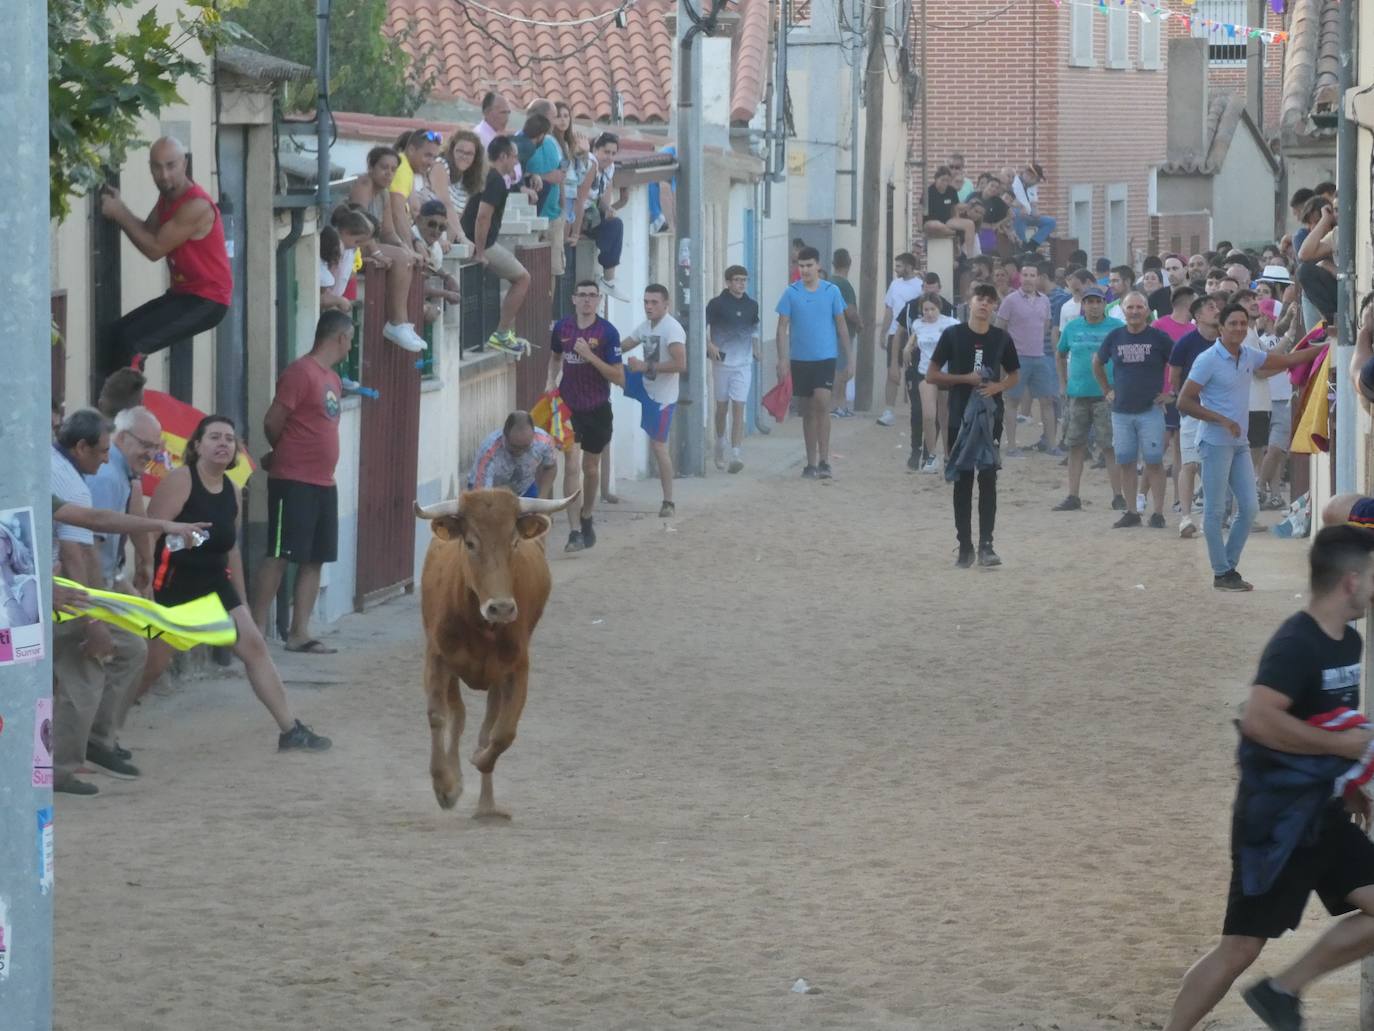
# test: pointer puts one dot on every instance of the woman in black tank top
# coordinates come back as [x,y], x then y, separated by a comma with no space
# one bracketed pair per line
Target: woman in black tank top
[201,492]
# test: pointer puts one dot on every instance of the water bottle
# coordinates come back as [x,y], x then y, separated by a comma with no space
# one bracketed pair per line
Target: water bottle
[192,540]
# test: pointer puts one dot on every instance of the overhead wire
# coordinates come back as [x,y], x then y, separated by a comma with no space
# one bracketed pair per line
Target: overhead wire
[524,61]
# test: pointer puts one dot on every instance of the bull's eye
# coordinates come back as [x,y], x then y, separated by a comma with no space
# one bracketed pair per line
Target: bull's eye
[471,544]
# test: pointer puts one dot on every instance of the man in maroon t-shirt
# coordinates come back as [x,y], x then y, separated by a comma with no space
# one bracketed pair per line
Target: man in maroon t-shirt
[302,425]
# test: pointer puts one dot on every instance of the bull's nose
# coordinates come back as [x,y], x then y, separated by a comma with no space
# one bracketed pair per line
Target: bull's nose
[499,610]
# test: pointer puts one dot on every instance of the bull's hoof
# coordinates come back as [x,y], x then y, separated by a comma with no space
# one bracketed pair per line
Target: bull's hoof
[492,815]
[448,794]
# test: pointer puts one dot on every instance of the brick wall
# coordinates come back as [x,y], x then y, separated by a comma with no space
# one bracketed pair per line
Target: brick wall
[1087,126]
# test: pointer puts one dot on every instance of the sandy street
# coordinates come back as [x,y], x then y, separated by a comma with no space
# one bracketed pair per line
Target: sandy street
[783,737]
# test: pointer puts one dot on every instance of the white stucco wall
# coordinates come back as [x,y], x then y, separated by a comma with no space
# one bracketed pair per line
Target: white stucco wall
[1242,194]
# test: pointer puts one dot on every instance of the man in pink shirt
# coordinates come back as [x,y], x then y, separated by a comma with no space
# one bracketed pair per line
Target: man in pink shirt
[1177,325]
[1024,314]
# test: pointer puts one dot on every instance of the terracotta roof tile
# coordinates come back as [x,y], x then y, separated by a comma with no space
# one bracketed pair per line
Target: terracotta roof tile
[750,65]
[634,62]
[1311,68]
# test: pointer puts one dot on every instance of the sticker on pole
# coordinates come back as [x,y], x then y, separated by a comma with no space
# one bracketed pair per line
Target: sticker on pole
[21,606]
[45,852]
[6,942]
[42,743]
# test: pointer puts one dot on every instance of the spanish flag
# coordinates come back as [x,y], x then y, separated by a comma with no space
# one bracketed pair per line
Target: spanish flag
[179,421]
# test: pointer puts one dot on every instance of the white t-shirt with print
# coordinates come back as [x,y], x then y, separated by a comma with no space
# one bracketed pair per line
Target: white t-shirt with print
[901,293]
[656,338]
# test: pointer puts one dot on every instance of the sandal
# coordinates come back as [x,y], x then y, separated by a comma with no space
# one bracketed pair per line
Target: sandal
[312,647]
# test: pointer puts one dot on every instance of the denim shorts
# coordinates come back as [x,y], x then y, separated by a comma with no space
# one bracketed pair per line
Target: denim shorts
[1139,434]
[1039,376]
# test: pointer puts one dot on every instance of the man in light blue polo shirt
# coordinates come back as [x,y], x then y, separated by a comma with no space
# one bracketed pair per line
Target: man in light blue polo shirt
[811,334]
[1217,392]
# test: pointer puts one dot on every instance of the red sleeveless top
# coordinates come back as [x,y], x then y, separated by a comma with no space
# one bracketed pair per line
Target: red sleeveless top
[199,267]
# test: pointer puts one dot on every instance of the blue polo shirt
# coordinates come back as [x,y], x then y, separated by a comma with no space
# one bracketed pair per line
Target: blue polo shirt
[1225,383]
[812,336]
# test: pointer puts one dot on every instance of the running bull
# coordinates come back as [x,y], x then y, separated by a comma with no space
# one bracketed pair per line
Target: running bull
[484,587]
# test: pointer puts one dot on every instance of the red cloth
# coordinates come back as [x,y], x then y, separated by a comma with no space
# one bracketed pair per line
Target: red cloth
[1298,375]
[308,449]
[1362,772]
[199,267]
[779,399]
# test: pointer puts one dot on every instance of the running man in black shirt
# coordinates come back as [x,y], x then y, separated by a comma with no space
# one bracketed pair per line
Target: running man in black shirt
[1310,669]
[975,356]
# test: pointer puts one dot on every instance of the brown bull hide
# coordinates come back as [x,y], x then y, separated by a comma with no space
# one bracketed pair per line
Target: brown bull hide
[483,589]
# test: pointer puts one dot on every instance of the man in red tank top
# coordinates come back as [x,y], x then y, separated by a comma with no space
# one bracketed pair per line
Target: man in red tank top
[185,228]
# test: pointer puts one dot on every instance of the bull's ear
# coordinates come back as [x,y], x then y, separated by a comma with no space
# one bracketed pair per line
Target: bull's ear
[532,525]
[447,528]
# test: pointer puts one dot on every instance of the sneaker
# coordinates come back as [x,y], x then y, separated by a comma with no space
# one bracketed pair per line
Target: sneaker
[506,343]
[1069,504]
[823,471]
[301,736]
[965,559]
[404,336]
[122,752]
[736,461]
[809,473]
[659,224]
[1058,452]
[1013,452]
[1127,519]
[667,510]
[575,541]
[720,454]
[913,462]
[846,412]
[1118,503]
[1157,521]
[1279,1010]
[588,532]
[72,786]
[1231,581]
[1140,502]
[1187,529]
[1022,418]
[608,287]
[987,557]
[886,419]
[108,761]
[932,465]
[1041,445]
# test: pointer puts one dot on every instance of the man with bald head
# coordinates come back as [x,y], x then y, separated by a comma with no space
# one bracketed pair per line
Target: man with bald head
[185,228]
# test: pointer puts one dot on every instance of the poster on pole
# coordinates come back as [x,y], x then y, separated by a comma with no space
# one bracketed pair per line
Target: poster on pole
[42,743]
[21,603]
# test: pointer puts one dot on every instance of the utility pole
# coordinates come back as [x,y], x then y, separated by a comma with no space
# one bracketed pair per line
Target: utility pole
[874,74]
[25,895]
[690,283]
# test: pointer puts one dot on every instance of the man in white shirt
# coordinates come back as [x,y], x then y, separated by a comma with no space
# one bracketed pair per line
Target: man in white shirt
[652,380]
[904,289]
[1025,211]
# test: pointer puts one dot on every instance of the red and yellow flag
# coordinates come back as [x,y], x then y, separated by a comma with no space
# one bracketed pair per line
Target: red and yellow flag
[179,421]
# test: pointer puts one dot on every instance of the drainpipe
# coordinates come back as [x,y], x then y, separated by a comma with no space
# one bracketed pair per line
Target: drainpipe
[324,119]
[1347,196]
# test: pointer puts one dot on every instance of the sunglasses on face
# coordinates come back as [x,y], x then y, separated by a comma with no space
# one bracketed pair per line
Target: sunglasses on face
[434,223]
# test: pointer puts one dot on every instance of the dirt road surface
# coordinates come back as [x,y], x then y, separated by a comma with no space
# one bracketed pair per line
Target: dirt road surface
[780,737]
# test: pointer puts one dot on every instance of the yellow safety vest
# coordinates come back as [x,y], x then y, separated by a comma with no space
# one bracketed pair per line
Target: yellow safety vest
[202,621]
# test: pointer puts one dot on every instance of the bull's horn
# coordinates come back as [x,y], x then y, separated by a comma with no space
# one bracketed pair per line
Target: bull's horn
[547,505]
[442,508]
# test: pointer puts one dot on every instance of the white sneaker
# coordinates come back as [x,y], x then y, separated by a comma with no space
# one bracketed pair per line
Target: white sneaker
[608,287]
[404,336]
[886,418]
[1187,528]
[932,465]
[720,453]
[736,460]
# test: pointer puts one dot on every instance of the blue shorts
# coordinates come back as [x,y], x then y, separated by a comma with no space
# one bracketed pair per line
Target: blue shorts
[1138,434]
[1039,376]
[654,418]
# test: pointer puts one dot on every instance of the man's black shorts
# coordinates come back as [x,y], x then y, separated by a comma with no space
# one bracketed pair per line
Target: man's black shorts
[809,377]
[1341,861]
[1259,429]
[592,428]
[302,521]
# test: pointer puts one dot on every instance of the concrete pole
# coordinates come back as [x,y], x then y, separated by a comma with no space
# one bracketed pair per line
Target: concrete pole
[869,271]
[691,288]
[25,903]
[1348,187]
[324,122]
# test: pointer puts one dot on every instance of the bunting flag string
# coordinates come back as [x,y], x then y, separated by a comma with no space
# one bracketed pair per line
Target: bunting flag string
[1145,9]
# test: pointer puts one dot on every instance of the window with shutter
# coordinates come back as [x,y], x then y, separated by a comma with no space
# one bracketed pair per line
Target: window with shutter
[1118,38]
[1149,41]
[1210,18]
[1082,21]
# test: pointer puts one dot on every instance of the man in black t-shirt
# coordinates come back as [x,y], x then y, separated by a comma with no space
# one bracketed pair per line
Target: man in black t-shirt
[482,225]
[975,356]
[1308,683]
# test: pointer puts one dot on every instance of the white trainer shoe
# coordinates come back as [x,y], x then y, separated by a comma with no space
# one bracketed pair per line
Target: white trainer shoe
[608,286]
[404,336]
[886,418]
